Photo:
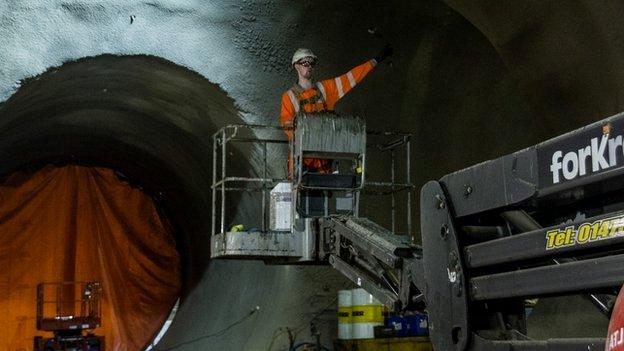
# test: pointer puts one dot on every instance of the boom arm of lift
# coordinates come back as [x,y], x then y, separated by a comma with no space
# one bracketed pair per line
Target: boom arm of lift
[384,264]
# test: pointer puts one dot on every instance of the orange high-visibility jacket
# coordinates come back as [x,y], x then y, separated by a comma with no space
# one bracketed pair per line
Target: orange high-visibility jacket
[323,96]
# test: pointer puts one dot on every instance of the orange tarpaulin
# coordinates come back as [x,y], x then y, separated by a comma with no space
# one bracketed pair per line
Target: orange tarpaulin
[79,223]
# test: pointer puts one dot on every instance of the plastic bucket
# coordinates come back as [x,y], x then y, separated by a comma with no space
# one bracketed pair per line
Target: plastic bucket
[367,313]
[397,323]
[417,324]
[345,303]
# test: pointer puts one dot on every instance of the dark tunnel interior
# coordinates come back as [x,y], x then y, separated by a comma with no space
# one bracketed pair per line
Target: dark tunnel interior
[147,119]
[68,224]
[114,111]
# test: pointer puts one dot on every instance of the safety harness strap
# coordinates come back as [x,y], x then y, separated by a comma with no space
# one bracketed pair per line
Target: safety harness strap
[321,89]
[293,100]
[297,91]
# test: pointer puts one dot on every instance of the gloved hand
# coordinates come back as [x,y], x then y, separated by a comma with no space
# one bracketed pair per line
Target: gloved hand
[384,53]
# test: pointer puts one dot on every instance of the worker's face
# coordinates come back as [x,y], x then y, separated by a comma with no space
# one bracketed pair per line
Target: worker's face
[305,67]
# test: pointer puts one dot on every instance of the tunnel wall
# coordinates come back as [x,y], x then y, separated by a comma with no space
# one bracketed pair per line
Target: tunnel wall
[469,68]
[451,82]
[563,55]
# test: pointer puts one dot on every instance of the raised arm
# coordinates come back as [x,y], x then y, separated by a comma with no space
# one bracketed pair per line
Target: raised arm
[336,88]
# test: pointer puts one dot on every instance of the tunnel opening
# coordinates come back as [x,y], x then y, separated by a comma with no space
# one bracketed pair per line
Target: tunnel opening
[85,224]
[142,123]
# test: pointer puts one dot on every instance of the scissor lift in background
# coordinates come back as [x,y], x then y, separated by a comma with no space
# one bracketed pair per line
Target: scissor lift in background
[70,310]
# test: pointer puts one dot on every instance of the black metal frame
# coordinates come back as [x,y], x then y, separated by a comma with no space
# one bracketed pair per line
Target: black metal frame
[543,221]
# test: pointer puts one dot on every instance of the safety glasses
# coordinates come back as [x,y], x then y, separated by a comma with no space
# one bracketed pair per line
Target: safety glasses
[307,64]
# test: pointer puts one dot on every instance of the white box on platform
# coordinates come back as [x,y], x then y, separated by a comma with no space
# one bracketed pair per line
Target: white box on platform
[281,207]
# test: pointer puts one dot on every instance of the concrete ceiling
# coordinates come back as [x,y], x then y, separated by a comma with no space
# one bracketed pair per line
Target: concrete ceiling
[506,73]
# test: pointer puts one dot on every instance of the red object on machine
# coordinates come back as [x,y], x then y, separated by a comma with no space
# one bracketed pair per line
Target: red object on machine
[615,336]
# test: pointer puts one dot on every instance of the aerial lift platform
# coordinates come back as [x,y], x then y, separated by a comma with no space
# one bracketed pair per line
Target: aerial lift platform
[290,231]
[70,310]
[544,221]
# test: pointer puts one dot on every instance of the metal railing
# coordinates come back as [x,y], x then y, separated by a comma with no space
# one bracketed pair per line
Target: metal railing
[221,181]
[261,136]
[391,142]
[61,303]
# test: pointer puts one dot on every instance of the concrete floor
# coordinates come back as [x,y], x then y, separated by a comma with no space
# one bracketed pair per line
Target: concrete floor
[141,86]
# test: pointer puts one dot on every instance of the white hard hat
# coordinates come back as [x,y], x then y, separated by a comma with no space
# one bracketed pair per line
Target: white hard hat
[303,53]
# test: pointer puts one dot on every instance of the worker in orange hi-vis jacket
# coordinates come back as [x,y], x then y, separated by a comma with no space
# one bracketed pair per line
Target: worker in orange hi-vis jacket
[306,96]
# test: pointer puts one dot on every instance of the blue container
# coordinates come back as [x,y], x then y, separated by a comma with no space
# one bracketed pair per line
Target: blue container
[398,324]
[417,324]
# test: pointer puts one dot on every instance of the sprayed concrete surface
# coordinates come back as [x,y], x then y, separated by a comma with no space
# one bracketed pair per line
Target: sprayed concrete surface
[141,85]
